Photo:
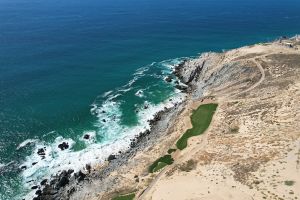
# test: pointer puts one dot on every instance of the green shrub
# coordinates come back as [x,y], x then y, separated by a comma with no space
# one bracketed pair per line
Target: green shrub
[161,163]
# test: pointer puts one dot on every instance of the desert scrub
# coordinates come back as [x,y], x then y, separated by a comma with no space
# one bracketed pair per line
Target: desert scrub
[201,118]
[125,197]
[234,130]
[289,183]
[161,163]
[171,151]
[188,166]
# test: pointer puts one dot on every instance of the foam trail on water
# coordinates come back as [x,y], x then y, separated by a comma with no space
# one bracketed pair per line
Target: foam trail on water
[26,142]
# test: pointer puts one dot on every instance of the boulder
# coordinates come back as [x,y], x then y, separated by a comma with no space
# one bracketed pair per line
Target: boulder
[88,167]
[63,146]
[168,79]
[63,181]
[23,167]
[111,157]
[70,171]
[34,187]
[86,136]
[79,176]
[41,152]
[43,182]
[38,192]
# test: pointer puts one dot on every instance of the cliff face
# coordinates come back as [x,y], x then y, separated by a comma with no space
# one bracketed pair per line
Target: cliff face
[252,149]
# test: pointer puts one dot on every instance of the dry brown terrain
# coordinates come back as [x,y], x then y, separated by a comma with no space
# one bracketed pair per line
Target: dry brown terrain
[252,149]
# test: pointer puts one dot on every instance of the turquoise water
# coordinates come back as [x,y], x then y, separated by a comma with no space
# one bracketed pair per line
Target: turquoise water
[62,63]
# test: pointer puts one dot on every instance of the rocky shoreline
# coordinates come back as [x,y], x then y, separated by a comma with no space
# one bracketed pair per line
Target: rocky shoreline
[63,185]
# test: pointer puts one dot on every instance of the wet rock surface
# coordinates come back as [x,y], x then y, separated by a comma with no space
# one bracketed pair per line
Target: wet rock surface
[63,146]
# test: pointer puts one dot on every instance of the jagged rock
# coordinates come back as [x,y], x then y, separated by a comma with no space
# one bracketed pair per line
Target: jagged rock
[88,167]
[48,190]
[63,182]
[168,79]
[156,118]
[34,187]
[63,146]
[53,181]
[43,182]
[23,167]
[71,190]
[79,176]
[86,136]
[70,171]
[181,87]
[104,120]
[38,192]
[111,157]
[132,144]
[41,152]
[63,179]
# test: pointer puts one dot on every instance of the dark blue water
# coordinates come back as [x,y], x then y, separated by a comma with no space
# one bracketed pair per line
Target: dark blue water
[58,58]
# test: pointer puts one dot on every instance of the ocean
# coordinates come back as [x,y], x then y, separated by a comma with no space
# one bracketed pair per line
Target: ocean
[73,68]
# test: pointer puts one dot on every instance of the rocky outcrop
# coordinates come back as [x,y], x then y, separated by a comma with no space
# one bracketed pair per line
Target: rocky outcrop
[63,146]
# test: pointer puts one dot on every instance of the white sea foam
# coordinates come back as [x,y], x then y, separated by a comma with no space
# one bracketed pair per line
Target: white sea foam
[125,89]
[107,93]
[140,93]
[111,97]
[2,165]
[26,142]
[141,71]
[92,137]
[115,136]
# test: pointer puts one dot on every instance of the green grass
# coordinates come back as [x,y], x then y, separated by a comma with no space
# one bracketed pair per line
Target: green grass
[171,151]
[125,197]
[161,163]
[201,119]
[159,166]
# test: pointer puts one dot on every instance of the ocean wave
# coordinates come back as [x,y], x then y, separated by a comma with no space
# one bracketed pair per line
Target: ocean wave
[111,135]
[57,160]
[140,93]
[26,142]
[107,93]
[141,70]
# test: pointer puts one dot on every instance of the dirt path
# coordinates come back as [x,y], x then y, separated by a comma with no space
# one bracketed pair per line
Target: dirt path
[262,78]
